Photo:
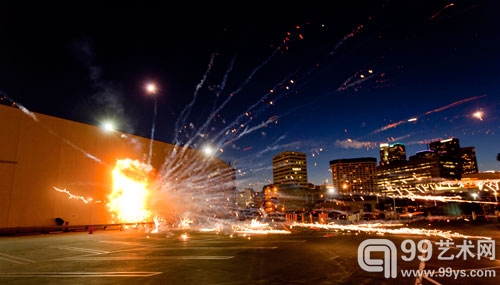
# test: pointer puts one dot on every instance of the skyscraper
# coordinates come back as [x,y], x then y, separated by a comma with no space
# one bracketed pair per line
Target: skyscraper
[290,167]
[354,174]
[392,153]
[290,189]
[469,160]
[449,147]
[449,157]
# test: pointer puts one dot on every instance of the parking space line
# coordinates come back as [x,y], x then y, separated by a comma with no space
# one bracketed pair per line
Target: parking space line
[79,274]
[88,250]
[128,243]
[15,259]
[213,247]
[184,257]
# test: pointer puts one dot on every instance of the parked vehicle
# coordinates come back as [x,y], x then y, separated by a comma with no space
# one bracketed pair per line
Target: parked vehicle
[409,212]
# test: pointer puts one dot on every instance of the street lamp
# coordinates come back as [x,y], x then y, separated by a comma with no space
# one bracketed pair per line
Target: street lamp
[108,126]
[331,191]
[208,150]
[152,89]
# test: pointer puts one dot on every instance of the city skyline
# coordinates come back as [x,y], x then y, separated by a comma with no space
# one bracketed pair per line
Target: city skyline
[378,159]
[332,83]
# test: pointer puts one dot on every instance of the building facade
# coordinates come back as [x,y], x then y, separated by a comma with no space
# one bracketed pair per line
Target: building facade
[290,168]
[355,175]
[469,160]
[447,147]
[444,160]
[423,167]
[392,153]
[290,189]
[54,168]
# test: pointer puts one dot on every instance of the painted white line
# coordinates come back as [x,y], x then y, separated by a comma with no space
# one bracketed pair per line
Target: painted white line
[15,259]
[280,241]
[80,249]
[128,243]
[240,241]
[184,257]
[79,274]
[10,260]
[213,247]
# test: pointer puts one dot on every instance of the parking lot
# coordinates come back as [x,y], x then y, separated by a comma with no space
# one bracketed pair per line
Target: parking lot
[136,256]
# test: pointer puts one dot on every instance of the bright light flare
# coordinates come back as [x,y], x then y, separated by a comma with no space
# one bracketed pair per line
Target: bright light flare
[151,88]
[129,198]
[108,126]
[185,222]
[478,115]
[208,150]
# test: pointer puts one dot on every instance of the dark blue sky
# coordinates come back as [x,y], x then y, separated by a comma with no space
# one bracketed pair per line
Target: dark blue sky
[344,77]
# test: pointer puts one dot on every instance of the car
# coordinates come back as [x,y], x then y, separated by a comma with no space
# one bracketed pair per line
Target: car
[409,212]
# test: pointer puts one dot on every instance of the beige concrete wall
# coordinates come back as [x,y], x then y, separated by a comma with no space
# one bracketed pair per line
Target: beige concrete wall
[40,152]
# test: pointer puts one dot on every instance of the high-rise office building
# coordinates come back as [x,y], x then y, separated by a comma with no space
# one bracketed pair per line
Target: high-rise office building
[449,147]
[445,160]
[384,154]
[290,189]
[469,160]
[354,175]
[392,153]
[423,167]
[449,153]
[290,167]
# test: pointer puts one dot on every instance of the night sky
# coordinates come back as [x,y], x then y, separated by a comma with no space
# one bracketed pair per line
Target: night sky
[253,80]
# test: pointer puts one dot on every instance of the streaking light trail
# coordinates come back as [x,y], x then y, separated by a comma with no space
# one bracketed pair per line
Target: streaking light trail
[152,89]
[130,200]
[413,119]
[380,229]
[71,196]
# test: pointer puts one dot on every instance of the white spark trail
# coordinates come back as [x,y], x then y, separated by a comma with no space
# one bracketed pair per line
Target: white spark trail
[71,196]
[381,230]
[187,110]
[152,130]
[35,118]
[346,37]
[348,84]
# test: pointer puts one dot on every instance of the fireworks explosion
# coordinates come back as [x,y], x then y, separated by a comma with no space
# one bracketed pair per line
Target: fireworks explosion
[129,200]
[186,189]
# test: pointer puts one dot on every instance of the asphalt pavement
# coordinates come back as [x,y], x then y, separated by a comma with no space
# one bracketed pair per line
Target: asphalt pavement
[290,255]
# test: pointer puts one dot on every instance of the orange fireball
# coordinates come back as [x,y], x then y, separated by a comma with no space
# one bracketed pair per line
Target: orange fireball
[129,198]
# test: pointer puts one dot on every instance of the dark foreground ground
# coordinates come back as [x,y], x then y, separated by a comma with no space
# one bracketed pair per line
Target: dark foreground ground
[302,256]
